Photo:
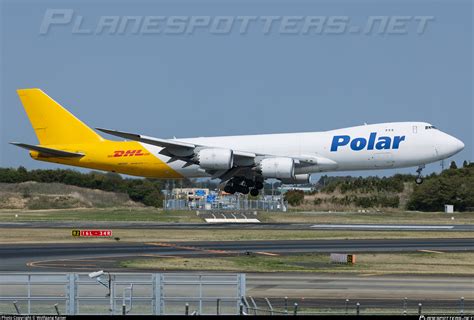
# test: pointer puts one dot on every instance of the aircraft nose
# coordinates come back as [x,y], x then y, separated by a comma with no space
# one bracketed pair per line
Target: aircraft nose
[453,145]
[459,145]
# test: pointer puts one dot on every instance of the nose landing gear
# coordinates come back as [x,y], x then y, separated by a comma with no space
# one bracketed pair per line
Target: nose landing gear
[419,177]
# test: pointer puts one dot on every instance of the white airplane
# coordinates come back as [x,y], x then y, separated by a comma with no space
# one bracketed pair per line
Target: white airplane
[243,162]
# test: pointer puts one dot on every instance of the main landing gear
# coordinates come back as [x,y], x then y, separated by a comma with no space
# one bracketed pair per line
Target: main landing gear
[244,186]
[419,177]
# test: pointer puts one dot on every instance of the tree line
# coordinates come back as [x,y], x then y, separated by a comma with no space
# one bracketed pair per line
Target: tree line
[452,186]
[146,191]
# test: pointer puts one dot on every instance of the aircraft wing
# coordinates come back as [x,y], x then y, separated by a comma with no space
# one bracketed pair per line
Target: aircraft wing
[185,151]
[164,143]
[177,150]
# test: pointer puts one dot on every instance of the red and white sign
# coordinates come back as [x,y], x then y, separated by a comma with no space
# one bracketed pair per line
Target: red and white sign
[96,233]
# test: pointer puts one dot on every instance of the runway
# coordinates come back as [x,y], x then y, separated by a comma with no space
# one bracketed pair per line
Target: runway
[254,226]
[90,256]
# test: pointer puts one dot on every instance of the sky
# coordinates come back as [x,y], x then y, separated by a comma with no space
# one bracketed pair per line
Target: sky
[207,82]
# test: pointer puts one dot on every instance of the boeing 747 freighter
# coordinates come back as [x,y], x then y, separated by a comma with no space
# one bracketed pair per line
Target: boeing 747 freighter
[241,162]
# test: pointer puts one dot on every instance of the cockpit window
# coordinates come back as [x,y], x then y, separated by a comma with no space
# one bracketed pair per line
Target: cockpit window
[430,127]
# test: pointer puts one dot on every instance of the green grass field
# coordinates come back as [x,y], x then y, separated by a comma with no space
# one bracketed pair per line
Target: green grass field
[29,235]
[387,217]
[113,214]
[153,214]
[63,235]
[366,263]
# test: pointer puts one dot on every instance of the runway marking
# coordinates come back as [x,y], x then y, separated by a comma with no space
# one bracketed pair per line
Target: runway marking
[267,253]
[431,251]
[177,246]
[158,256]
[65,265]
[92,260]
[372,226]
[47,263]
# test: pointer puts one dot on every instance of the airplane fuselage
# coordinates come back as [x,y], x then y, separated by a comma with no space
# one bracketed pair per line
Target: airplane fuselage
[244,161]
[374,146]
[366,147]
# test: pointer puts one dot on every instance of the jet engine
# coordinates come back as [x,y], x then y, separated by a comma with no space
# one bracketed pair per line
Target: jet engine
[277,168]
[215,159]
[298,179]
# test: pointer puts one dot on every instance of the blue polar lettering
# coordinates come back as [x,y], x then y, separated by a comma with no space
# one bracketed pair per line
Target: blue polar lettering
[371,141]
[357,144]
[339,141]
[397,140]
[384,143]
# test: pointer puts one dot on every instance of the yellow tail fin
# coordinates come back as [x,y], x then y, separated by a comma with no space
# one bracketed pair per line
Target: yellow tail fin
[52,123]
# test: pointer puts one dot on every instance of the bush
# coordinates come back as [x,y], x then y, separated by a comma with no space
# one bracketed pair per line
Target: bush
[294,197]
[452,186]
[364,185]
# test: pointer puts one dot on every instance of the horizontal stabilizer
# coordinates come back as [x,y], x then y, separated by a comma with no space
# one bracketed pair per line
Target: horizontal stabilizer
[48,151]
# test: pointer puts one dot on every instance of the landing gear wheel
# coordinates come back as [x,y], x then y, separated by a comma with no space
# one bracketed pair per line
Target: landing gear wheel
[241,189]
[249,183]
[254,192]
[419,178]
[258,185]
[229,189]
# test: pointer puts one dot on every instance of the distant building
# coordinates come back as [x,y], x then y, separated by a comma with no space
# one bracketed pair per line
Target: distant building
[285,188]
[190,194]
[448,208]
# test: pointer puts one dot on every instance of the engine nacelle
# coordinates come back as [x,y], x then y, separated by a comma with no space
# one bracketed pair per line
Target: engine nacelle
[283,168]
[215,159]
[298,179]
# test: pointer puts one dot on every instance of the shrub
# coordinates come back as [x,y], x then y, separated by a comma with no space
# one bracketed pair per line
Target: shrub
[294,197]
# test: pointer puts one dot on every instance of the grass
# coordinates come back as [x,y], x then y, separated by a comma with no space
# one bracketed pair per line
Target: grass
[153,214]
[366,263]
[388,217]
[114,214]
[58,235]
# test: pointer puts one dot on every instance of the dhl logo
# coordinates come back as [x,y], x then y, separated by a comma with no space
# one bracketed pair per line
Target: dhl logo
[128,153]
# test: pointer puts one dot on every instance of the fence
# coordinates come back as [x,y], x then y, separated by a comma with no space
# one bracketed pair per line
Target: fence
[404,306]
[120,293]
[230,203]
[185,293]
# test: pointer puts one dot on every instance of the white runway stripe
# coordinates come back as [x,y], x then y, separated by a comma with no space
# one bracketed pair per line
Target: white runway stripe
[378,226]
